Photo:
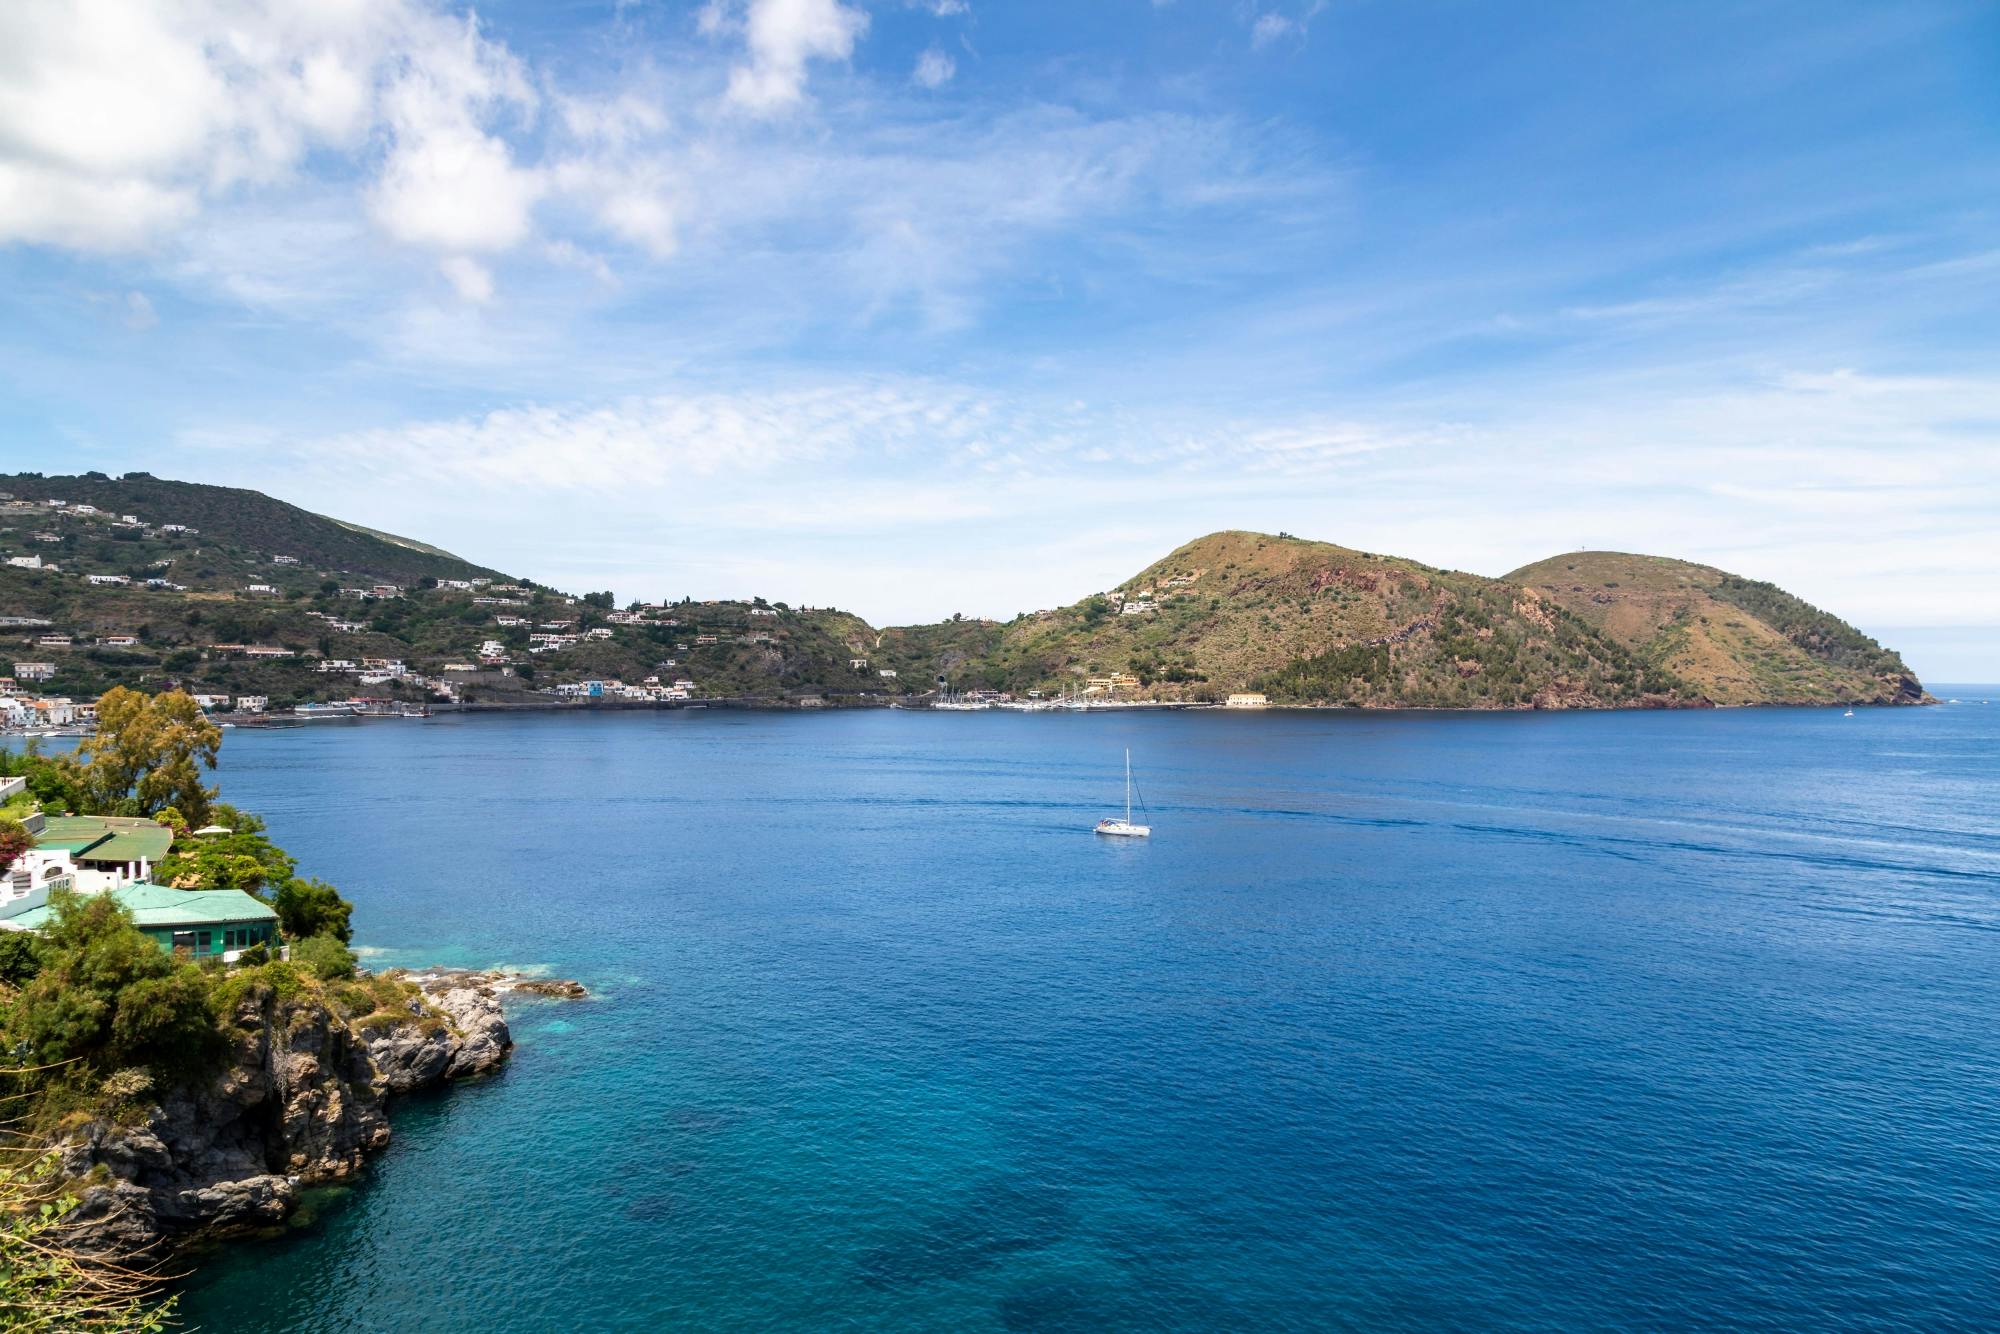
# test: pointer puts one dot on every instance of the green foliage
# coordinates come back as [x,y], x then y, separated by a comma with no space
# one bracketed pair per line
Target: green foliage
[165,1022]
[1825,636]
[14,840]
[1339,675]
[308,908]
[108,996]
[325,957]
[20,957]
[54,781]
[244,860]
[47,1284]
[147,755]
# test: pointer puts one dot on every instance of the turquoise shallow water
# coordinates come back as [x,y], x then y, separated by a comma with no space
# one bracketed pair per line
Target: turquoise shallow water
[1399,1022]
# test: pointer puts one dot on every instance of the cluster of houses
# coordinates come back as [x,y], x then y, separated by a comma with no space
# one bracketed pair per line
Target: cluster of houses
[14,507]
[23,710]
[1145,601]
[104,854]
[652,689]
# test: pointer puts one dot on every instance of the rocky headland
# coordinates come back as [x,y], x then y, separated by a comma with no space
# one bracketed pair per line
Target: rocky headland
[301,1099]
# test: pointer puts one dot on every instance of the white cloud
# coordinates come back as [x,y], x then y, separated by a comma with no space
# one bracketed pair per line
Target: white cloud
[782,36]
[121,119]
[1772,480]
[472,280]
[118,116]
[447,183]
[139,313]
[1273,25]
[934,69]
[1269,28]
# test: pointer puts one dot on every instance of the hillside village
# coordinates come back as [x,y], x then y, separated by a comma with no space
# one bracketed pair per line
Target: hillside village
[259,609]
[96,596]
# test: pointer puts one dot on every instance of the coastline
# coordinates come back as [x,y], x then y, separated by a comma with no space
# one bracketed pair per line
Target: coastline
[813,704]
[304,1101]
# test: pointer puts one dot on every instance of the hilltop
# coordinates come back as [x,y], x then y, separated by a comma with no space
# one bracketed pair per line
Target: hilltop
[1313,623]
[1736,640]
[230,593]
[229,525]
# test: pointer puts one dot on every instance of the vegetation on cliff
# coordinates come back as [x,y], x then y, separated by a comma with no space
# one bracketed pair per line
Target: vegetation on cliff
[95,995]
[98,1018]
[1735,640]
[1313,623]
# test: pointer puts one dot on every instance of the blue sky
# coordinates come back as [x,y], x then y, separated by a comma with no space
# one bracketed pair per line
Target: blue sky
[923,306]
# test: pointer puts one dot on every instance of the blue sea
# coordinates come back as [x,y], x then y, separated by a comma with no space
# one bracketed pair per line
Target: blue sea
[1410,1022]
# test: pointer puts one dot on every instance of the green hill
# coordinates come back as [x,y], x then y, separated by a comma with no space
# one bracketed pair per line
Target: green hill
[1735,640]
[231,524]
[1310,622]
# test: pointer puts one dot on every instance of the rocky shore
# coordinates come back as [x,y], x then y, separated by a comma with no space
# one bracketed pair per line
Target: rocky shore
[301,1099]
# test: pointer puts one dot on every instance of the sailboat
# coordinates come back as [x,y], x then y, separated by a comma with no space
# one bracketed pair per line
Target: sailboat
[1125,828]
[1848,714]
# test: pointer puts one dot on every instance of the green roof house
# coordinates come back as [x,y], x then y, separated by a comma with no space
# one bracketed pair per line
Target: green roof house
[108,850]
[204,922]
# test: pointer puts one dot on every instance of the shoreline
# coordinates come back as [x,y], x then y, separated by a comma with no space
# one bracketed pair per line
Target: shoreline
[762,704]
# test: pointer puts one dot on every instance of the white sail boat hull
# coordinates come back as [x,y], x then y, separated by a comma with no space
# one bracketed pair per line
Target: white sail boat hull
[1125,828]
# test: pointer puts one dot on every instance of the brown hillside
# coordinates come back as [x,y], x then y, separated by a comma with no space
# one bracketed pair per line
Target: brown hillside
[1736,640]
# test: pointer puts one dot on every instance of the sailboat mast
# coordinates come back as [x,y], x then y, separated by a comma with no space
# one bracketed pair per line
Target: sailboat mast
[1128,785]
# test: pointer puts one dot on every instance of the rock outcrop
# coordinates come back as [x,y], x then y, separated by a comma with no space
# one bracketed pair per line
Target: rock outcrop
[301,1100]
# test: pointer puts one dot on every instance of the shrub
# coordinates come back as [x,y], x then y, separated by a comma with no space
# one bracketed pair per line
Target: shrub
[164,1022]
[105,992]
[308,908]
[325,958]
[20,957]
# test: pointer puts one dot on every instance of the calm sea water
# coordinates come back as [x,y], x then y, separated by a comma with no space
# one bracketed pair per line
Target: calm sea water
[1399,1022]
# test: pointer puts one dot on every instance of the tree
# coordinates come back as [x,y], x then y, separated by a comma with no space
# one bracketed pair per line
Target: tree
[308,908]
[147,755]
[14,840]
[20,956]
[106,993]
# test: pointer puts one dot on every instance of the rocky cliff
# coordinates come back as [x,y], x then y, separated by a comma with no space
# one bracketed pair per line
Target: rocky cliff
[301,1099]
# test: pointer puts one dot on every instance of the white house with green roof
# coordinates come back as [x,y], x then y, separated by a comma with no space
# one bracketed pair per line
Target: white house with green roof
[107,850]
[207,923]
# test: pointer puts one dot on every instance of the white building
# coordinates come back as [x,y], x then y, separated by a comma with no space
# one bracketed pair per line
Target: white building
[106,579]
[25,562]
[34,671]
[38,868]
